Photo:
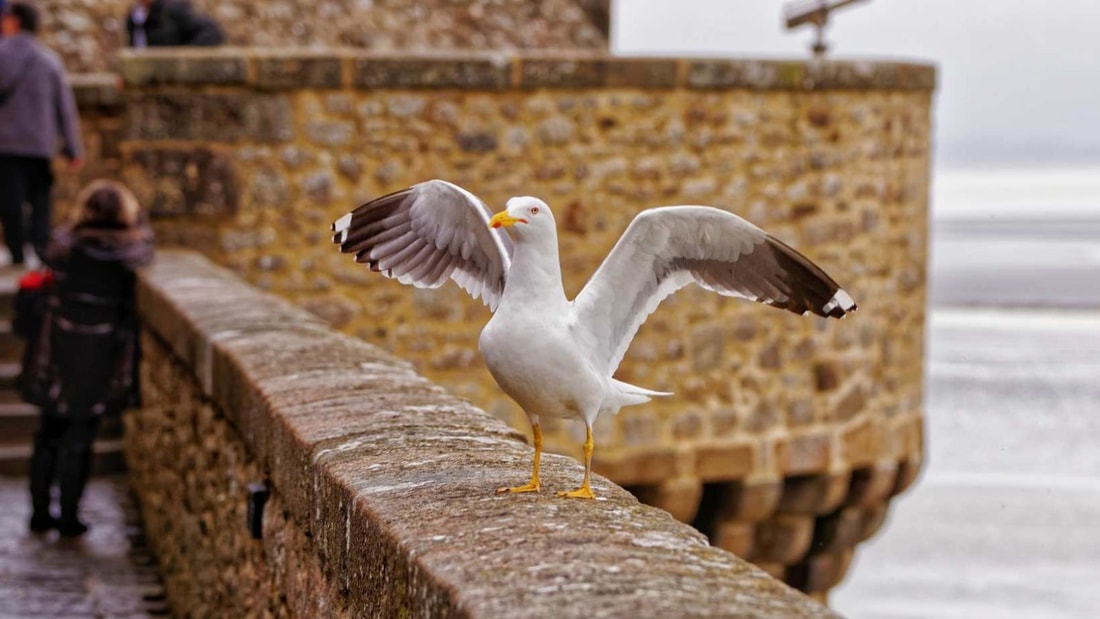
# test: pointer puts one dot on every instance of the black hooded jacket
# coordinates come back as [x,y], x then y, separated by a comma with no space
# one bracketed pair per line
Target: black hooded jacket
[83,362]
[175,23]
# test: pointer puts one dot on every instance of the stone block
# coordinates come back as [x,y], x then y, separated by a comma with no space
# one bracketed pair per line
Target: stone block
[299,70]
[826,375]
[483,72]
[725,461]
[803,454]
[736,537]
[649,73]
[783,538]
[873,517]
[872,485]
[678,496]
[788,75]
[101,90]
[572,72]
[851,403]
[813,494]
[862,444]
[907,474]
[182,67]
[751,500]
[208,117]
[838,531]
[630,467]
[819,573]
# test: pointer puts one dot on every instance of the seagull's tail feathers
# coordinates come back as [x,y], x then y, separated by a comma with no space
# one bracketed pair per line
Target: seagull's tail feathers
[627,395]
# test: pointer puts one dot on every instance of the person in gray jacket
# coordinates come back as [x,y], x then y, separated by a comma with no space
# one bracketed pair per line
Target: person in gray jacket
[37,111]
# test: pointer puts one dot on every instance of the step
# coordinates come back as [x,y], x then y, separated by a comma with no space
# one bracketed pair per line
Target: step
[11,345]
[9,371]
[9,281]
[108,459]
[19,422]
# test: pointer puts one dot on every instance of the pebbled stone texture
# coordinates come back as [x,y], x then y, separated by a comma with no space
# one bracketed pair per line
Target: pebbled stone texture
[382,484]
[830,156]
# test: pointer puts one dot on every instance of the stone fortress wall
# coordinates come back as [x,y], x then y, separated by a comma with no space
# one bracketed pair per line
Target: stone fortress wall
[787,435]
[89,33]
[380,485]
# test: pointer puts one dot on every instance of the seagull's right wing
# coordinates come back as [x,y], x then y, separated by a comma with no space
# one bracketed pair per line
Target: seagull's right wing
[426,234]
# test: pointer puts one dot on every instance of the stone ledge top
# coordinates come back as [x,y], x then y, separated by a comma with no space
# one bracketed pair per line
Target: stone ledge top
[290,69]
[394,479]
[96,89]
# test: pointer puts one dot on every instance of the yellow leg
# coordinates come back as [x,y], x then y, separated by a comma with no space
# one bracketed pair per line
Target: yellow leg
[585,491]
[533,485]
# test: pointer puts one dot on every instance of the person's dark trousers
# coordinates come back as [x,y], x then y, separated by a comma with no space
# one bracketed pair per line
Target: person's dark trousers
[25,180]
[62,449]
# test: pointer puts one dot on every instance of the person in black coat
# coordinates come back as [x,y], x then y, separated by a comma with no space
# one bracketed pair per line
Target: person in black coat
[171,23]
[82,364]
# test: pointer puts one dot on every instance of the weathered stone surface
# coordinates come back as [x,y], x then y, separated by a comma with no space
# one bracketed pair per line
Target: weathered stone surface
[490,72]
[736,537]
[173,182]
[809,453]
[96,89]
[299,69]
[752,500]
[88,34]
[872,485]
[678,496]
[725,462]
[208,117]
[108,573]
[819,573]
[813,494]
[837,167]
[783,539]
[382,485]
[838,531]
[184,66]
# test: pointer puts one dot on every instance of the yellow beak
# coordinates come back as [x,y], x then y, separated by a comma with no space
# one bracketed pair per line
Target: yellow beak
[504,219]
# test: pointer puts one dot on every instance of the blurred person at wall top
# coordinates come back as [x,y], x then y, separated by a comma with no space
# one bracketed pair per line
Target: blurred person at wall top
[171,23]
[37,111]
[80,364]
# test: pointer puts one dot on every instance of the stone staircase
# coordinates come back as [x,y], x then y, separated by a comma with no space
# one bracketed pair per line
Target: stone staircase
[19,420]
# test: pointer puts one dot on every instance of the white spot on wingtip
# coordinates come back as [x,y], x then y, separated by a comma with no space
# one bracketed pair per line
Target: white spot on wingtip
[842,300]
[341,225]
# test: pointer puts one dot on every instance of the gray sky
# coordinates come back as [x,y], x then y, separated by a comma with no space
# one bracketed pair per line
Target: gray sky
[1019,79]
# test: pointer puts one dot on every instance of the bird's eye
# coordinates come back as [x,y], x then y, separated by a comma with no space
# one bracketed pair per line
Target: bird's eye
[534,210]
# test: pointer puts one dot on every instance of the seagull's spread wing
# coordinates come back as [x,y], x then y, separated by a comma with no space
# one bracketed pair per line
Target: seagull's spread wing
[664,249]
[427,233]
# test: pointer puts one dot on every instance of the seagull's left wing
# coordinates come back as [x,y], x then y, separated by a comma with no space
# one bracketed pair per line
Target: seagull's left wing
[426,234]
[665,249]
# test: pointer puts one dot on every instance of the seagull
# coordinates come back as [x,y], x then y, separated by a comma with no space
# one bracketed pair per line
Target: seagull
[556,357]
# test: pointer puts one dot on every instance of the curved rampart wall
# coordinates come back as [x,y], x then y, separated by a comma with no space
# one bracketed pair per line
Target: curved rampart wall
[787,435]
[380,485]
[89,33]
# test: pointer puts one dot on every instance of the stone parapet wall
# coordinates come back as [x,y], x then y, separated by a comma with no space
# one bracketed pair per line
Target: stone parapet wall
[782,427]
[381,484]
[88,33]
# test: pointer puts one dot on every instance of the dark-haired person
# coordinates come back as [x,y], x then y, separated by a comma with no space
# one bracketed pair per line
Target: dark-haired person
[82,364]
[37,110]
[171,23]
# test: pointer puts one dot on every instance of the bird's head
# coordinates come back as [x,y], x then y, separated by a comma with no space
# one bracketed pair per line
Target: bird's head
[524,214]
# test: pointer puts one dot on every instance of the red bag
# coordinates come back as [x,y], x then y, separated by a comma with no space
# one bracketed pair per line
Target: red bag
[30,303]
